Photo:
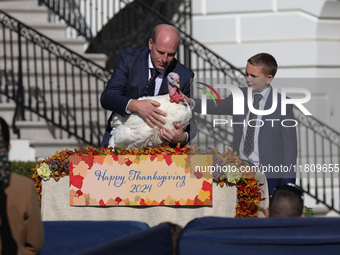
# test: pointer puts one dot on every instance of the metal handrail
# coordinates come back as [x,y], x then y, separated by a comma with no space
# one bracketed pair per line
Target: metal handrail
[47,77]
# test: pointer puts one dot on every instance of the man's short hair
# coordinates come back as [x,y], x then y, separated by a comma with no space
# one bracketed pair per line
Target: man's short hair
[4,131]
[286,201]
[266,61]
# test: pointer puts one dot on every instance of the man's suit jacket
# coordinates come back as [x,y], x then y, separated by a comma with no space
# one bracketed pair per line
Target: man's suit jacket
[130,78]
[21,228]
[277,144]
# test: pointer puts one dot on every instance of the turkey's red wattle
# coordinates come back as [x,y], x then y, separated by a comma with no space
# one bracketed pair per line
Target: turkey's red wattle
[176,97]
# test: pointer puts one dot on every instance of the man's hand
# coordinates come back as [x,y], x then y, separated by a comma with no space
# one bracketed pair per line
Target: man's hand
[173,136]
[148,110]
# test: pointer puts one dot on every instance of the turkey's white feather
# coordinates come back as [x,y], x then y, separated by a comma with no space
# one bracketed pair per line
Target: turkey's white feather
[132,132]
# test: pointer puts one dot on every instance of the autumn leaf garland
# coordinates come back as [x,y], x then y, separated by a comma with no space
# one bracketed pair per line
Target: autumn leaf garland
[248,188]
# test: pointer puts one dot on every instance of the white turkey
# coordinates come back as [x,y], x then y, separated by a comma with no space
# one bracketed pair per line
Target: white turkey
[133,132]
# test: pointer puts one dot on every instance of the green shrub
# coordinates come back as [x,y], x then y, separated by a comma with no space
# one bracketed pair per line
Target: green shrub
[23,168]
[308,212]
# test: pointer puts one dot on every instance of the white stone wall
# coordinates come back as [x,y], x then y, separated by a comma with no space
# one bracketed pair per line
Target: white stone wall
[303,36]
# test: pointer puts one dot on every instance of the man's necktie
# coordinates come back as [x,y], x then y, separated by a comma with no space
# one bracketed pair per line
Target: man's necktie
[249,141]
[150,87]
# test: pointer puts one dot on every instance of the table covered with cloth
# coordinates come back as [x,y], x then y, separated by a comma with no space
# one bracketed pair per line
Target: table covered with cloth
[55,206]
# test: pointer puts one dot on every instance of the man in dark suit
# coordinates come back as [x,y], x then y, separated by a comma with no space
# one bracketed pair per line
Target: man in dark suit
[130,79]
[273,145]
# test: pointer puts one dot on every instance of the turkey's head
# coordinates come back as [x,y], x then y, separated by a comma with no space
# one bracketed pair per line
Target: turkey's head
[174,92]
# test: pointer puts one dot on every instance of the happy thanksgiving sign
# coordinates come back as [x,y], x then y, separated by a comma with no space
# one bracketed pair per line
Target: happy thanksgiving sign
[144,180]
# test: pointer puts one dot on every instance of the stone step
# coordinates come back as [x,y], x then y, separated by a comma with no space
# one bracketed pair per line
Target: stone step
[84,116]
[78,101]
[41,130]
[34,130]
[53,68]
[7,110]
[46,141]
[11,51]
[37,75]
[33,50]
[75,103]
[42,67]
[47,148]
[22,4]
[54,31]
[4,105]
[320,212]
[319,209]
[332,213]
[29,14]
[62,89]
[66,90]
[99,59]
[21,150]
[76,45]
[64,86]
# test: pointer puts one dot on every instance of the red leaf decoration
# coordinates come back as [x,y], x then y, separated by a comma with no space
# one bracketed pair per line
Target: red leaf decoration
[197,201]
[168,159]
[71,167]
[88,159]
[162,202]
[101,202]
[152,158]
[118,200]
[76,181]
[128,163]
[207,186]
[142,202]
[79,193]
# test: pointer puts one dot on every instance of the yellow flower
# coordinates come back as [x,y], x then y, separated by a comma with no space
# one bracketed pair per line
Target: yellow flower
[44,171]
[234,177]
